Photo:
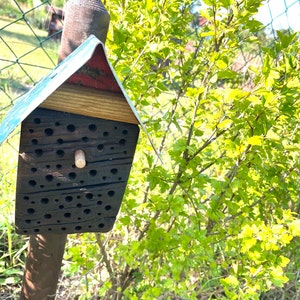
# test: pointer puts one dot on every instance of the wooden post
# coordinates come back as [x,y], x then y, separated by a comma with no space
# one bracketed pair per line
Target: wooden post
[45,252]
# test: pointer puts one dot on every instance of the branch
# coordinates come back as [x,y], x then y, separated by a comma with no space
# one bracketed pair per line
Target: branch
[106,260]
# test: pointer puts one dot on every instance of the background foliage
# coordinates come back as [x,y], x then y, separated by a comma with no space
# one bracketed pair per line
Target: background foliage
[216,214]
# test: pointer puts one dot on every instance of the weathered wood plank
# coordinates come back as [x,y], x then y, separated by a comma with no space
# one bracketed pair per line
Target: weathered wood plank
[90,102]
[53,195]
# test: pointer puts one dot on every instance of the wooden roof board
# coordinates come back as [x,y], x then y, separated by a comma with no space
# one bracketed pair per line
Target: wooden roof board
[66,71]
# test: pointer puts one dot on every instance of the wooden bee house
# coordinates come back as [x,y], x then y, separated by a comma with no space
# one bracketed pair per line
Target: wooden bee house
[78,137]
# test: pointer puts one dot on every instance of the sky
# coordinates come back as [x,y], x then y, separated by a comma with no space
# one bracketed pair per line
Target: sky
[283,14]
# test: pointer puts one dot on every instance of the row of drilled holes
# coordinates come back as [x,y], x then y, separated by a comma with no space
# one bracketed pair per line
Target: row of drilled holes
[72,128]
[77,228]
[71,175]
[61,153]
[86,211]
[88,196]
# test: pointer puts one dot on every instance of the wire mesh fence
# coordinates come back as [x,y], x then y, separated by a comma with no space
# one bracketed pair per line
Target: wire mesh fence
[30,38]
[29,43]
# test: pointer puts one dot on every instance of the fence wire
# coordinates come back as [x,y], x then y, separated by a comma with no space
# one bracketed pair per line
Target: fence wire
[30,36]
[29,43]
[28,47]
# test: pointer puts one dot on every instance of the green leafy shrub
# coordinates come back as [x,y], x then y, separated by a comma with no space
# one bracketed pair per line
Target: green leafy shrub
[216,216]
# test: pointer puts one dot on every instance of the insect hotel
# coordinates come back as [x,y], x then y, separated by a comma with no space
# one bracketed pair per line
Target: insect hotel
[78,137]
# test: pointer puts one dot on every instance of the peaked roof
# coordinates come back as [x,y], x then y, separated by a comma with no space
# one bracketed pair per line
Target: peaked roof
[104,79]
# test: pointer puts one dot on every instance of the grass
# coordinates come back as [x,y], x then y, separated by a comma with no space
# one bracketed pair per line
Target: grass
[27,55]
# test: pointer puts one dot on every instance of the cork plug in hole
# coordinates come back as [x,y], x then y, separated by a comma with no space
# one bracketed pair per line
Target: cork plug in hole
[80,161]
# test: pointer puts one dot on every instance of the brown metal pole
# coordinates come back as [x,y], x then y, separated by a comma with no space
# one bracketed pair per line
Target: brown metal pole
[83,18]
[43,266]
[45,251]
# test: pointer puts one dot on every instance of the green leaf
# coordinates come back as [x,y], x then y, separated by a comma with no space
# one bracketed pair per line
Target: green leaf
[285,38]
[255,140]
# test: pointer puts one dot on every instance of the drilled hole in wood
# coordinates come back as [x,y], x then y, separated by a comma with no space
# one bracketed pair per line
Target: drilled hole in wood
[111,193]
[47,216]
[69,199]
[125,132]
[71,128]
[58,221]
[67,215]
[122,142]
[37,120]
[104,177]
[34,141]
[100,147]
[57,124]
[60,141]
[101,225]
[107,207]
[26,198]
[87,211]
[30,211]
[85,139]
[49,177]
[49,229]
[72,175]
[58,184]
[31,130]
[61,207]
[48,131]
[114,171]
[79,205]
[63,228]
[93,173]
[38,152]
[32,202]
[32,182]
[58,166]
[89,196]
[33,170]
[105,133]
[47,166]
[44,200]
[42,186]
[92,127]
[99,202]
[60,153]
[36,230]
[78,228]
